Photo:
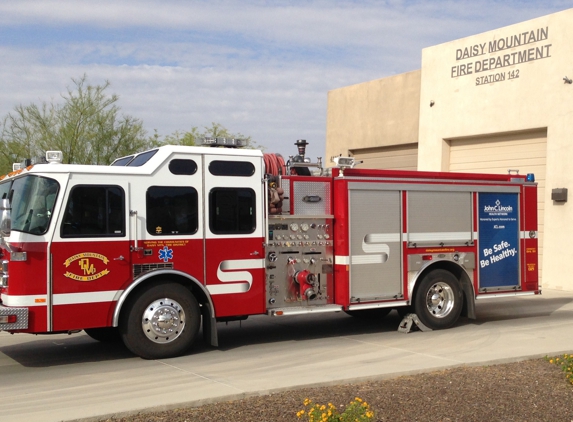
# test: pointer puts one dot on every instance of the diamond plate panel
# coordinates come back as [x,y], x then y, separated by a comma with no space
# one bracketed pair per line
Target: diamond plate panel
[22,318]
[311,190]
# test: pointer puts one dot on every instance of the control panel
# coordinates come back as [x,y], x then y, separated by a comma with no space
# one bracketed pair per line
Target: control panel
[299,262]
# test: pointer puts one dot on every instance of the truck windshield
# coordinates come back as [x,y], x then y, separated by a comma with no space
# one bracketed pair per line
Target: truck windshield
[32,201]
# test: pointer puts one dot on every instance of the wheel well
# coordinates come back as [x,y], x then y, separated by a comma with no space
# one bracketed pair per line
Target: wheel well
[460,274]
[197,291]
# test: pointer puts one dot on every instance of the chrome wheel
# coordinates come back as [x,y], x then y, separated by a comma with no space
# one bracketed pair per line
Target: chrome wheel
[163,321]
[440,299]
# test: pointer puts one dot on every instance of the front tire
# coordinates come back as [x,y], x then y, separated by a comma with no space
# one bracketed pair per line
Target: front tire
[161,321]
[438,302]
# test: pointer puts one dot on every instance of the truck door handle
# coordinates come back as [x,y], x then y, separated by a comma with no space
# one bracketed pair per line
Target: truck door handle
[255,253]
[119,258]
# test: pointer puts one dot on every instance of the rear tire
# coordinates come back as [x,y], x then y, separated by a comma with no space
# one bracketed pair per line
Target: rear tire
[104,334]
[438,302]
[161,321]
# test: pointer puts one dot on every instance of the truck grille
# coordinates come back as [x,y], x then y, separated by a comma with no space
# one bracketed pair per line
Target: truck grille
[144,268]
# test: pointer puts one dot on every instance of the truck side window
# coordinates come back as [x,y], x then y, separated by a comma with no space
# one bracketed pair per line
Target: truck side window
[171,210]
[185,167]
[94,211]
[231,168]
[232,211]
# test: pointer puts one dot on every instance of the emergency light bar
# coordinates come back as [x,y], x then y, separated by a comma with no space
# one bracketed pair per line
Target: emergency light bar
[54,157]
[224,142]
[344,162]
[19,166]
[50,157]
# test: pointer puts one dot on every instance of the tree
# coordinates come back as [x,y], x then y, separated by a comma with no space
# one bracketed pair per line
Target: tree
[87,127]
[216,130]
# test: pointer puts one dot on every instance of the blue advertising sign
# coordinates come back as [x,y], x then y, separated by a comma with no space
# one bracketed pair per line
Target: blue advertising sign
[498,240]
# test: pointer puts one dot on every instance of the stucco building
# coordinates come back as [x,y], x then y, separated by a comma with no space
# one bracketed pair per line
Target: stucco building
[489,103]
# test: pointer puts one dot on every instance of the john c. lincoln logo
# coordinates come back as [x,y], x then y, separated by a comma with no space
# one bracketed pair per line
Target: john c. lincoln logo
[90,267]
[497,207]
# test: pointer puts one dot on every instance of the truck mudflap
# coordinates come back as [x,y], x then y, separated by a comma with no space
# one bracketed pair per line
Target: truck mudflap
[12,319]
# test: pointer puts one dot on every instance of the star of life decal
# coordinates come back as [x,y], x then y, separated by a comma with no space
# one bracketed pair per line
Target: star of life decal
[165,254]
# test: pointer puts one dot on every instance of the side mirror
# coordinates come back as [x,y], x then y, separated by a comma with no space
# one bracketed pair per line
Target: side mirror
[5,219]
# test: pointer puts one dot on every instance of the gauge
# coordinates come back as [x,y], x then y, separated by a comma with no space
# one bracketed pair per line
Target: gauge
[294,227]
[304,227]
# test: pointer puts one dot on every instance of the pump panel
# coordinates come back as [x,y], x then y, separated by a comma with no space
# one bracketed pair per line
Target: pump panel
[299,262]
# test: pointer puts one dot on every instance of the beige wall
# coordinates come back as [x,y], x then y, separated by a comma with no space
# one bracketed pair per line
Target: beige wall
[478,87]
[378,113]
[529,94]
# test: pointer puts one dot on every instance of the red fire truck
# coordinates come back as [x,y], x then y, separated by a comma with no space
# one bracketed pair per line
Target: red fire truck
[168,241]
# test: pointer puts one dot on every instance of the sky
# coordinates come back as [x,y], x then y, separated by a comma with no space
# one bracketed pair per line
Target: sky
[259,68]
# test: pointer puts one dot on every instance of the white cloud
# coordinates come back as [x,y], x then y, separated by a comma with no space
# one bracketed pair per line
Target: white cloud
[258,67]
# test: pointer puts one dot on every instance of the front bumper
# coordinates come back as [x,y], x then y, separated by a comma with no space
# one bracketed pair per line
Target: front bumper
[8,314]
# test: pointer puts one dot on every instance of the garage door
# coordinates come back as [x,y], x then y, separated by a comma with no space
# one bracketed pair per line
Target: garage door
[400,157]
[523,151]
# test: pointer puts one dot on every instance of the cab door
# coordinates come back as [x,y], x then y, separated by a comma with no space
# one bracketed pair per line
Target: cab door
[234,234]
[90,255]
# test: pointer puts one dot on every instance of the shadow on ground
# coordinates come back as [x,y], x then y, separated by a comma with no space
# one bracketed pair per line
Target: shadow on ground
[58,350]
[55,350]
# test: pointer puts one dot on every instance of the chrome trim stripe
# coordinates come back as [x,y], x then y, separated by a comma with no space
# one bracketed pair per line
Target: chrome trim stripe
[378,305]
[512,294]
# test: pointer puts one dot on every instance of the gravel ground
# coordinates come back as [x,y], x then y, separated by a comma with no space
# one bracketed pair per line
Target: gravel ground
[532,390]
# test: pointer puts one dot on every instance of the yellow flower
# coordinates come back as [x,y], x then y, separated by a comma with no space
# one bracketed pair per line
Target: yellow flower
[358,399]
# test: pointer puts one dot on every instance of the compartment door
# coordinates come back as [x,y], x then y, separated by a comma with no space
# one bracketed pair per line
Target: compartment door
[234,234]
[375,244]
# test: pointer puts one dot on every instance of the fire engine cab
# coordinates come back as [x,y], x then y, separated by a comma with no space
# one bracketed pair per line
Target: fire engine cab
[172,240]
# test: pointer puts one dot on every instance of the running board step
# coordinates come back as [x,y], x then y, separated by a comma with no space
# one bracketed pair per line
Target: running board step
[411,321]
[300,310]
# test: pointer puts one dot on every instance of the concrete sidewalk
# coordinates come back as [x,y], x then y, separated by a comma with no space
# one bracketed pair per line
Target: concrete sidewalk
[53,378]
